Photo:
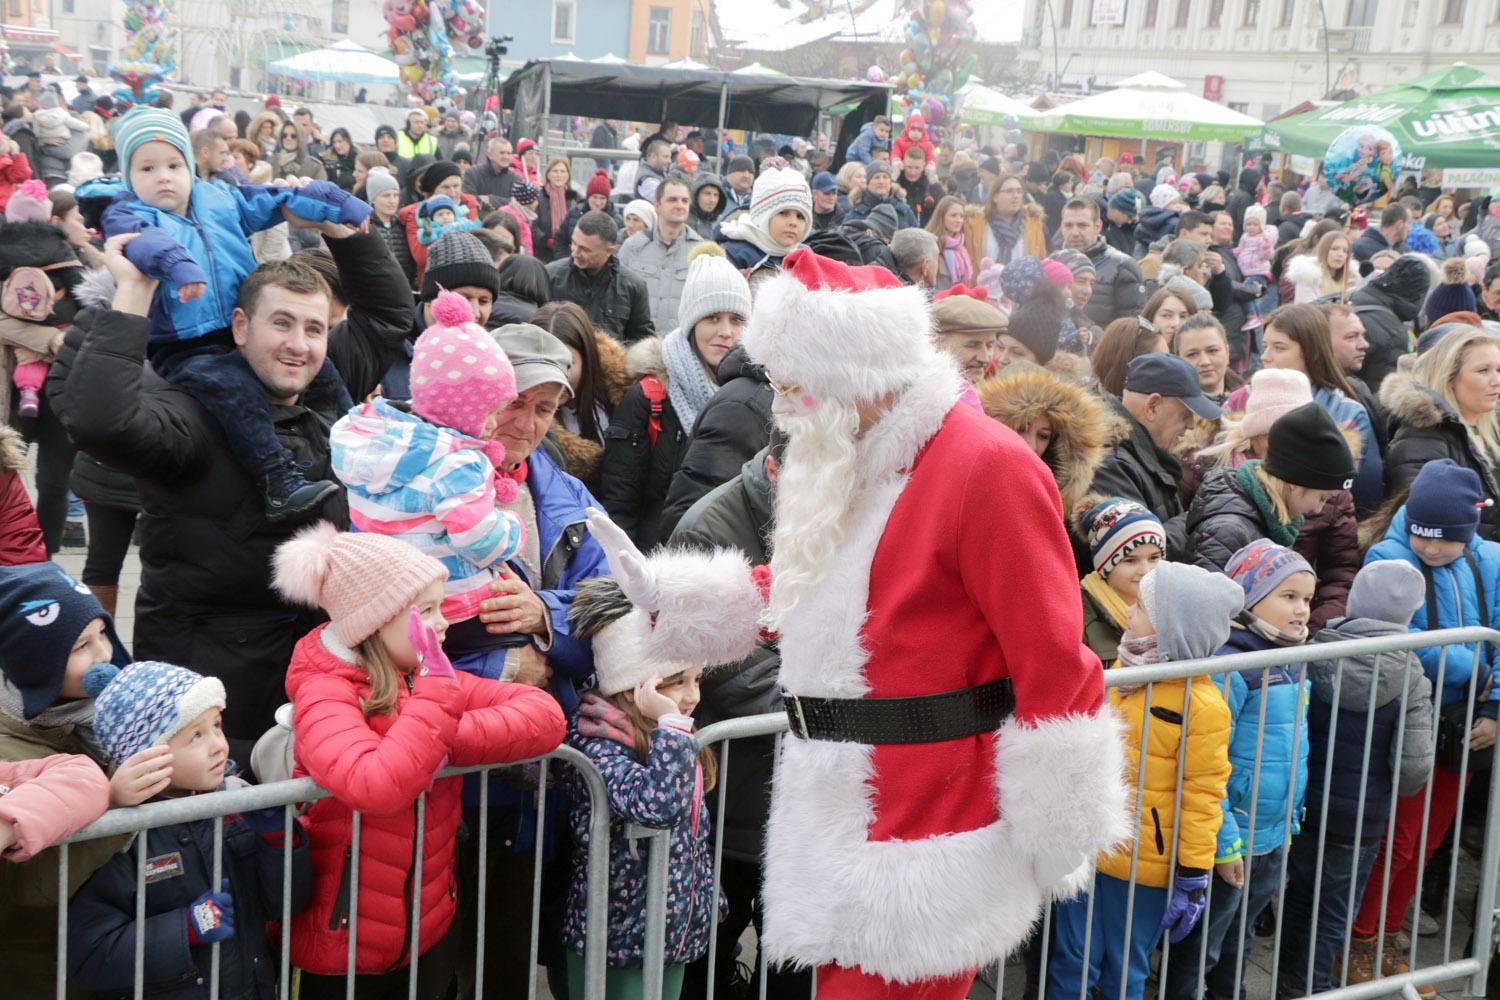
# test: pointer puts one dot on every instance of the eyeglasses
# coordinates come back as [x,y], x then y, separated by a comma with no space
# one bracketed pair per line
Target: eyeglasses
[782,390]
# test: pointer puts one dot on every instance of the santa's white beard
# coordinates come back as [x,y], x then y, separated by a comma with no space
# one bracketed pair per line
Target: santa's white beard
[812,500]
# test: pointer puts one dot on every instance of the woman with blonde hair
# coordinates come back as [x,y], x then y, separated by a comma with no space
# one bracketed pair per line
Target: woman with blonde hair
[1325,271]
[955,266]
[1445,408]
[851,182]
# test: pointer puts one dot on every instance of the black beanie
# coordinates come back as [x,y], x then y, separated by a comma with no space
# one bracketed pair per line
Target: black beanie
[1037,323]
[437,173]
[1306,448]
[43,611]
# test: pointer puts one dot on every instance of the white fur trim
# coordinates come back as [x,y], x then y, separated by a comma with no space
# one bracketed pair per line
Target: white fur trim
[708,609]
[206,693]
[620,658]
[1063,786]
[852,346]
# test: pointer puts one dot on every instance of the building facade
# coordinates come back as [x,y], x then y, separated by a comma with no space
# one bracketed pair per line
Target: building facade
[663,31]
[547,29]
[1258,56]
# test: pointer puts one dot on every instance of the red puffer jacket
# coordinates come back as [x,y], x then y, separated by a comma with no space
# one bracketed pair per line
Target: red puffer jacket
[20,534]
[379,766]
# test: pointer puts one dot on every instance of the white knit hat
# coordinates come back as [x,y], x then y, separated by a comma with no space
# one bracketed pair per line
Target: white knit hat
[643,210]
[713,285]
[1273,393]
[776,189]
[618,633]
[1164,194]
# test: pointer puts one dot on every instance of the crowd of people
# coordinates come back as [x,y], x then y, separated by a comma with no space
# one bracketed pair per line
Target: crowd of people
[363,406]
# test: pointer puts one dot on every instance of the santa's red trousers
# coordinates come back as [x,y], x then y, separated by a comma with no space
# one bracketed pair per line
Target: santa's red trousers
[838,983]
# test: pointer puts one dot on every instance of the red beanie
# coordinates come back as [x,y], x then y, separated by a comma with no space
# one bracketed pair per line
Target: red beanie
[598,184]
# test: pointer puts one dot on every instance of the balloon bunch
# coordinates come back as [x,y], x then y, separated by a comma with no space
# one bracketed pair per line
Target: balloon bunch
[936,62]
[139,82]
[424,37]
[148,32]
[1362,164]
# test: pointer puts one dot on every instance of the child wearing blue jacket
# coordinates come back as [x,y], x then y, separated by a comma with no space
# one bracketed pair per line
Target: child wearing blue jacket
[1268,779]
[637,729]
[1435,532]
[151,704]
[191,236]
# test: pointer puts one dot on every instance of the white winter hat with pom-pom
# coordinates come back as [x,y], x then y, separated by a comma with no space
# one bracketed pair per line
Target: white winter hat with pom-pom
[362,580]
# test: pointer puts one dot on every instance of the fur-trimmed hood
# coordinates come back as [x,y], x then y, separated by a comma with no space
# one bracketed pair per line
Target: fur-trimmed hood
[12,450]
[1412,404]
[613,359]
[644,358]
[1304,269]
[96,289]
[1083,427]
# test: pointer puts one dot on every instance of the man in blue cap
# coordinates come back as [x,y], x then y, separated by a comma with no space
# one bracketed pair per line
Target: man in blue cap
[1120,215]
[825,198]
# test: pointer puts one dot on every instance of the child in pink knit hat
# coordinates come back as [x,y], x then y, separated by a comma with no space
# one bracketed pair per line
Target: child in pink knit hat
[431,476]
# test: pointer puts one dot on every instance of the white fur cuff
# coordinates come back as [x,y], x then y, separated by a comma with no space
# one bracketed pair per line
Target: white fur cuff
[709,607]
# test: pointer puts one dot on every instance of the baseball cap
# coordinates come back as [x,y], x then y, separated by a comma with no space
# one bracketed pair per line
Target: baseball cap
[1169,375]
[824,183]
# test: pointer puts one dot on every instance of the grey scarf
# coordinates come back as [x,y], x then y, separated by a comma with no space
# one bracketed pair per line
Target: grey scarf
[688,384]
[79,714]
[1007,235]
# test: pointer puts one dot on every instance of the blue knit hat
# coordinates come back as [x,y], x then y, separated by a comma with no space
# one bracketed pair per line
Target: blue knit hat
[147,703]
[1126,200]
[1117,527]
[43,611]
[1445,502]
[1261,566]
[143,125]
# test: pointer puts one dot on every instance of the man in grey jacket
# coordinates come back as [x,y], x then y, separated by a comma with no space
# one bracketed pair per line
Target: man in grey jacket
[660,254]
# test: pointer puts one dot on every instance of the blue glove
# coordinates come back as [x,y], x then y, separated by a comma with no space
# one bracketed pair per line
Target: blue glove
[210,917]
[271,820]
[1186,905]
[349,210]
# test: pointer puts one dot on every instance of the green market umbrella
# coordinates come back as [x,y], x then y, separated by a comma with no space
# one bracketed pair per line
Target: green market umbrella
[981,105]
[1150,106]
[1449,118]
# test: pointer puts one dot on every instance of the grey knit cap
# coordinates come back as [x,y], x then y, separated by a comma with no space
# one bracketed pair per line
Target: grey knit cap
[1076,261]
[713,285]
[378,182]
[457,260]
[1387,590]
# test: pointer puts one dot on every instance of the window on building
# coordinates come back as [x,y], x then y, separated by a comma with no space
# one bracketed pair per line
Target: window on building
[1215,13]
[1453,11]
[1361,13]
[562,20]
[698,43]
[1184,12]
[1252,13]
[1149,21]
[338,19]
[1288,11]
[659,31]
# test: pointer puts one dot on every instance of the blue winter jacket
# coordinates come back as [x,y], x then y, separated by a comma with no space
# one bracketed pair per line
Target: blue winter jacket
[864,144]
[661,793]
[1458,595]
[1282,752]
[176,249]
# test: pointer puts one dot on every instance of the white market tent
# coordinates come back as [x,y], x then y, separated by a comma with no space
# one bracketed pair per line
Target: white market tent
[344,61]
[1150,106]
[984,105]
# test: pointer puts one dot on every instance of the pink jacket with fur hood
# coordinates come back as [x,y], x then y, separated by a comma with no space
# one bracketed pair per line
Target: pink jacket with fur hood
[49,798]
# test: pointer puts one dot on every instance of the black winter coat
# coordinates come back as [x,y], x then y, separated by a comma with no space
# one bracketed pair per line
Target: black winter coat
[205,595]
[1122,238]
[1221,521]
[1387,319]
[615,299]
[1290,227]
[1424,428]
[1155,223]
[636,475]
[508,309]
[1370,243]
[1119,288]
[739,515]
[1138,470]
[732,427]
[180,860]
[544,241]
[394,236]
[93,481]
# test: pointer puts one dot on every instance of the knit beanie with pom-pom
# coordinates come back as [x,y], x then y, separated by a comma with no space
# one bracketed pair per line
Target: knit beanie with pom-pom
[713,285]
[362,580]
[1454,294]
[598,184]
[459,376]
[29,203]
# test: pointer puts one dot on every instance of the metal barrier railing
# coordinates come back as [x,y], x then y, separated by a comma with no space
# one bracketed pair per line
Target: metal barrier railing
[289,794]
[1472,963]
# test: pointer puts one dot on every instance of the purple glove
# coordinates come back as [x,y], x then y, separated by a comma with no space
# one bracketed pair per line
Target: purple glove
[430,655]
[210,917]
[1185,906]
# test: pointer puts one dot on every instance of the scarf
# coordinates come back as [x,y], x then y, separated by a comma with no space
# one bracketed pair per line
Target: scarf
[956,257]
[743,229]
[79,714]
[557,202]
[1280,532]
[688,384]
[1007,235]
[1136,653]
[1271,634]
[601,719]
[1107,597]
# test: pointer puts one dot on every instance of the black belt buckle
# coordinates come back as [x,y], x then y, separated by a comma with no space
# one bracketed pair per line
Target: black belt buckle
[796,718]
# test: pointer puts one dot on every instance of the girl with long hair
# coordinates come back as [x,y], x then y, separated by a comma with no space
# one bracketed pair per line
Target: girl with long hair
[955,267]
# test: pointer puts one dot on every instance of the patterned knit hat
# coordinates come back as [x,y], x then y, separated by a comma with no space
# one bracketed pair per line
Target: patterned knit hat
[778,189]
[1163,195]
[43,611]
[1117,527]
[525,194]
[1261,566]
[146,704]
[458,260]
[29,203]
[459,376]
[713,285]
[362,580]
[143,125]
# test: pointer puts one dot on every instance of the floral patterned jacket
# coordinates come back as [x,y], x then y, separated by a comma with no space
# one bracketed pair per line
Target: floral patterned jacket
[664,792]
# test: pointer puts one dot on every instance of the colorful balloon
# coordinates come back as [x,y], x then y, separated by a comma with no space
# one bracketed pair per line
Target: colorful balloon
[1362,164]
[424,35]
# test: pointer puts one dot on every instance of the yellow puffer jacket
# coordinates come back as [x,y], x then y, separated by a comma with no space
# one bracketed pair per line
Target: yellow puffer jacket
[1206,773]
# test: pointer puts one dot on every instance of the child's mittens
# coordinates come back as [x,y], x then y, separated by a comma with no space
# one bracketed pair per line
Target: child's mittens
[424,641]
[1186,905]
[210,917]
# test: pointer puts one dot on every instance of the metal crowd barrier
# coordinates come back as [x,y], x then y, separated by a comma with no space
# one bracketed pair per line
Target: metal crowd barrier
[288,794]
[1468,962]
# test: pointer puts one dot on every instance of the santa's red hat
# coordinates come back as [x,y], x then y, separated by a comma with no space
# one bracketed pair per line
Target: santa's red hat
[851,333]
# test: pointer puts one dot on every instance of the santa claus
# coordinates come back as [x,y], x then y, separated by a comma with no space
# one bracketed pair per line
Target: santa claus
[951,764]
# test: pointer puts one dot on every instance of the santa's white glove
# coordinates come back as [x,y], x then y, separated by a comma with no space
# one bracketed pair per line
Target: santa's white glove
[626,563]
[1052,867]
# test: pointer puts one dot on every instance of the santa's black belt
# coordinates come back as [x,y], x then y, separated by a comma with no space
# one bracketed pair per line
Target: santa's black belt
[929,718]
